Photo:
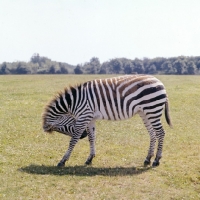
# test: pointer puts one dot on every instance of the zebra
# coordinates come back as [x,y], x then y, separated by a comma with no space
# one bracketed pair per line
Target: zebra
[74,111]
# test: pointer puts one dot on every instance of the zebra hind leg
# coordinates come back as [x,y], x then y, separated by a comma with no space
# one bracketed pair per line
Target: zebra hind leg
[152,135]
[151,146]
[160,133]
[91,138]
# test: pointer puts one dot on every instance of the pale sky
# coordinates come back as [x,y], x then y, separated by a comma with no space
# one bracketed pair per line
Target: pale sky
[74,31]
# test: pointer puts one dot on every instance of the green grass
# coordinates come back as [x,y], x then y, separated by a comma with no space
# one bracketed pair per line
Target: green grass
[28,157]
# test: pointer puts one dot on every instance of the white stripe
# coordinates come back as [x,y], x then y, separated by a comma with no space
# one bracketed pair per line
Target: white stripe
[147,97]
[94,96]
[107,103]
[54,105]
[154,109]
[134,84]
[77,98]
[80,107]
[60,104]
[72,100]
[112,100]
[139,91]
[119,104]
[65,102]
[89,97]
[102,109]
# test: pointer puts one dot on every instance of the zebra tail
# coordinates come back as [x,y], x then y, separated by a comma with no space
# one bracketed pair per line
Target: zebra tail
[167,116]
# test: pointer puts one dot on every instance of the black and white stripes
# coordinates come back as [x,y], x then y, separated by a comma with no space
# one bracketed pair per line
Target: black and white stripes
[75,111]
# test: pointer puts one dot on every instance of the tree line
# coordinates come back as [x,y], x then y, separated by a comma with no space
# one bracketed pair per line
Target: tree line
[42,65]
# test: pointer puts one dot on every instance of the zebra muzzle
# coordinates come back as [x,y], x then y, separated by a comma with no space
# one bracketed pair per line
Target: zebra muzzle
[48,128]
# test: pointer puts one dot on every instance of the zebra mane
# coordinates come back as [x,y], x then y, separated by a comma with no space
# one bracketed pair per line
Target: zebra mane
[57,96]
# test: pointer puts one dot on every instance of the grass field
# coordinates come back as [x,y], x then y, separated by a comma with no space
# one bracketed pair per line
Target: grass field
[28,157]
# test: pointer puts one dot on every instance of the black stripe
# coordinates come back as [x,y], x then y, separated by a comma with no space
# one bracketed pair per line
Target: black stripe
[145,92]
[89,93]
[96,95]
[148,91]
[155,117]
[73,90]
[152,107]
[109,99]
[68,99]
[81,96]
[53,108]
[149,113]
[58,107]
[63,104]
[157,120]
[102,95]
[162,96]
[55,113]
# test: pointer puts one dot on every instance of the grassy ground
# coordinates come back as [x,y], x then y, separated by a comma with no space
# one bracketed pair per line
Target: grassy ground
[28,157]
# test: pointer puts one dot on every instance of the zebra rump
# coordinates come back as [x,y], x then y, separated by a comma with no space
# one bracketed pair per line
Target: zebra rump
[74,111]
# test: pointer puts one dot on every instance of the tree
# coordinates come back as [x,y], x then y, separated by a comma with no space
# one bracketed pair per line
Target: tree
[158,61]
[63,70]
[23,68]
[180,66]
[86,68]
[35,58]
[78,70]
[3,68]
[167,67]
[116,65]
[198,65]
[128,67]
[92,67]
[191,68]
[104,68]
[95,65]
[152,69]
[138,66]
[52,69]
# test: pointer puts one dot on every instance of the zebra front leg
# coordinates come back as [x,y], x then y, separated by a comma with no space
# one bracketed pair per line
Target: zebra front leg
[160,136]
[72,144]
[91,138]
[79,129]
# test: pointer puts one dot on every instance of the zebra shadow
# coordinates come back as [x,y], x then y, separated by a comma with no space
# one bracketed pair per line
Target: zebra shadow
[83,170]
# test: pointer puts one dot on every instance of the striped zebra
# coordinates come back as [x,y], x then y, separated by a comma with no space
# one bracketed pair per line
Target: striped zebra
[74,111]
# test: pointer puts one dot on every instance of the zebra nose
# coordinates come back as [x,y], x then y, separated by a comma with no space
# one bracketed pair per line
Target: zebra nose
[47,128]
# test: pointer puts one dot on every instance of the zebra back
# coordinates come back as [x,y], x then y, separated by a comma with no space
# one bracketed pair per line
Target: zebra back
[114,98]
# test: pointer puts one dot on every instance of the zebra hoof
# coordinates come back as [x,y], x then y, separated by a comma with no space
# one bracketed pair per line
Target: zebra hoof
[60,164]
[155,164]
[147,162]
[88,162]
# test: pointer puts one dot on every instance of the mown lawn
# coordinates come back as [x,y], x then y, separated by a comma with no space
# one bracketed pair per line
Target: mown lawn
[28,157]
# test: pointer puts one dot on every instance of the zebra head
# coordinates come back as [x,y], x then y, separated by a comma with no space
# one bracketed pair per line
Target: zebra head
[62,123]
[59,113]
